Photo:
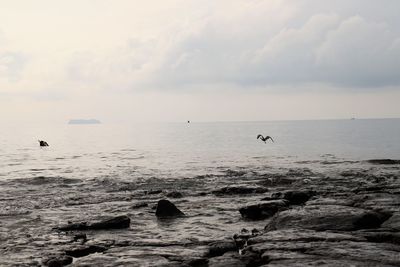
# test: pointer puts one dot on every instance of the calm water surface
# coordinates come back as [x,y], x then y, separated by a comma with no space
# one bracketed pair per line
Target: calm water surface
[181,149]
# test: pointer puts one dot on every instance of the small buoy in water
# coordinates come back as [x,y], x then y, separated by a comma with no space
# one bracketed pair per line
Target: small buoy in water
[43,143]
[188,121]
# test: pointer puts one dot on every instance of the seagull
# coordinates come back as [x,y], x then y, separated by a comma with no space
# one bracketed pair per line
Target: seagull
[43,143]
[264,138]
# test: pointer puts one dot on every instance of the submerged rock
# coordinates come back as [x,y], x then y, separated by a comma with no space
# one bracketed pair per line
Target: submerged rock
[239,190]
[165,208]
[175,194]
[118,222]
[221,247]
[83,251]
[263,210]
[58,261]
[383,161]
[327,217]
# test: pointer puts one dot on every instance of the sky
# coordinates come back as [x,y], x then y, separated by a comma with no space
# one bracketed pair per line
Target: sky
[177,60]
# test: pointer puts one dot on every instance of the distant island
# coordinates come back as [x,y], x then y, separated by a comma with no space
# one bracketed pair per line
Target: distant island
[84,121]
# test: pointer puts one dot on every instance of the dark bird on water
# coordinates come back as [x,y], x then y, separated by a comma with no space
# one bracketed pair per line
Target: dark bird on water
[43,143]
[264,138]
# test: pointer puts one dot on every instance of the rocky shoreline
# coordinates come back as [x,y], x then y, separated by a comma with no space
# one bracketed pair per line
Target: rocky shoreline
[342,214]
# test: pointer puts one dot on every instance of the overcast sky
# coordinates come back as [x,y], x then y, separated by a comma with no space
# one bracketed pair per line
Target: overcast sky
[208,60]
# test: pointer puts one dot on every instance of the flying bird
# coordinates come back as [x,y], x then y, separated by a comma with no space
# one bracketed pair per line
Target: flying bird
[264,138]
[43,143]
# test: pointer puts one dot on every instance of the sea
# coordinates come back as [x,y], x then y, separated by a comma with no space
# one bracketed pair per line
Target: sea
[93,172]
[186,149]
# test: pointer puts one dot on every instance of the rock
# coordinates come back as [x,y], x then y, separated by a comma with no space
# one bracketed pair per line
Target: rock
[327,217]
[219,248]
[154,192]
[83,251]
[175,194]
[167,209]
[298,197]
[263,210]
[393,222]
[239,190]
[233,259]
[299,247]
[383,161]
[59,261]
[118,222]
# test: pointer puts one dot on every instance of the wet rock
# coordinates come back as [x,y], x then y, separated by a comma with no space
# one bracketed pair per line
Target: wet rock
[327,217]
[175,194]
[200,262]
[298,197]
[154,192]
[118,222]
[298,247]
[165,208]
[58,261]
[219,248]
[139,205]
[239,190]
[83,251]
[383,161]
[393,222]
[233,259]
[263,210]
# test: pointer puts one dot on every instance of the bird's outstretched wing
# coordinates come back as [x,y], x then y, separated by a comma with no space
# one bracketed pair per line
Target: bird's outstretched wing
[260,136]
[271,139]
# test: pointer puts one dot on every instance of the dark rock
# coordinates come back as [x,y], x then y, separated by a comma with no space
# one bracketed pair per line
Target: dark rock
[167,209]
[81,237]
[298,197]
[84,251]
[59,261]
[139,205]
[219,248]
[327,217]
[200,262]
[74,227]
[175,194]
[263,210]
[383,161]
[239,190]
[154,192]
[118,222]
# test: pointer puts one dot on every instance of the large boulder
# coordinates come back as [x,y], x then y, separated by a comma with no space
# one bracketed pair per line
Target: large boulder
[327,217]
[166,209]
[263,210]
[58,261]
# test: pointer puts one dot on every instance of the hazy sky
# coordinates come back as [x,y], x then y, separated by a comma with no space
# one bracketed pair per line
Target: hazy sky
[203,60]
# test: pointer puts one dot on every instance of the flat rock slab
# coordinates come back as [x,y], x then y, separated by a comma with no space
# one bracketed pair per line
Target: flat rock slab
[263,210]
[297,247]
[327,217]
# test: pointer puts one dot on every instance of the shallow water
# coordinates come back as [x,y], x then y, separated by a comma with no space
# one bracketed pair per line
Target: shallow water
[94,171]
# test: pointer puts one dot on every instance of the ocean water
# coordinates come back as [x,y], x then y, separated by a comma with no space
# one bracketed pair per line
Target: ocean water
[181,149]
[91,172]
